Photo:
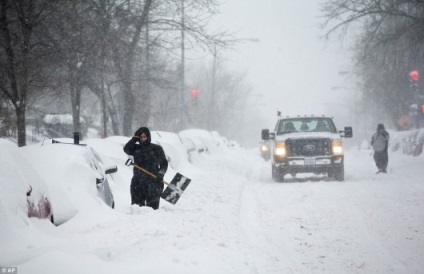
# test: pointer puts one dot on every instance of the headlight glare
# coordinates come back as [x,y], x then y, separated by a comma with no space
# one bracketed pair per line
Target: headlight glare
[280,149]
[264,148]
[337,147]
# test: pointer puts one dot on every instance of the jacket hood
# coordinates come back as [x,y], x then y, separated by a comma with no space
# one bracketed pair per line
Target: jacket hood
[146,131]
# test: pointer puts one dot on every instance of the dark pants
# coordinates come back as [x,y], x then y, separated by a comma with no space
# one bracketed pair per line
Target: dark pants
[381,160]
[145,192]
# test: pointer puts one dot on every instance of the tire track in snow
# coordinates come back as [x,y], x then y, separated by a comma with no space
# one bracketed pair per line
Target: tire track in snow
[265,257]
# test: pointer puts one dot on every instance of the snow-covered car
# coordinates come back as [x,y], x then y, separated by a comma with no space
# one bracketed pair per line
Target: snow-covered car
[189,146]
[172,145]
[306,145]
[77,177]
[204,140]
[23,192]
[175,150]
[199,144]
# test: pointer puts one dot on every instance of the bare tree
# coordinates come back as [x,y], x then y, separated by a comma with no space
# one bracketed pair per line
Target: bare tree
[22,49]
[102,76]
[388,45]
[120,50]
[130,18]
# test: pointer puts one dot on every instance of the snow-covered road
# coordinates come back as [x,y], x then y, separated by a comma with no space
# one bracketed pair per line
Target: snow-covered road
[367,224]
[234,219]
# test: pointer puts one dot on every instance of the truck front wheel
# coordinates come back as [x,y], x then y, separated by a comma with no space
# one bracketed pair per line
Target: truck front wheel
[339,173]
[277,175]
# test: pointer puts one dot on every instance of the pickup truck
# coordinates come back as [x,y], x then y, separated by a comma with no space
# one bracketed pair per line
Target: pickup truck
[308,144]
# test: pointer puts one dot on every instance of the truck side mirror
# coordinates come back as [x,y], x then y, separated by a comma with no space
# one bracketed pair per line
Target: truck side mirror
[265,134]
[348,133]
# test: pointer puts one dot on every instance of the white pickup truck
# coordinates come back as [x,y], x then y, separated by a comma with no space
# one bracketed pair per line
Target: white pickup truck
[306,145]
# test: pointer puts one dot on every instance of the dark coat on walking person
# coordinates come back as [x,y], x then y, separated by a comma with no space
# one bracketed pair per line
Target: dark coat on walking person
[146,190]
[380,144]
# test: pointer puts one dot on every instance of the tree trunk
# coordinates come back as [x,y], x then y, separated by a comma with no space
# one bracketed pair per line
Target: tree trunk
[76,103]
[20,123]
[113,113]
[129,104]
[129,107]
[17,87]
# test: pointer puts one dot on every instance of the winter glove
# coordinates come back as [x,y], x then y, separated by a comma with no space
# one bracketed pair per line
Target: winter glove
[159,178]
[137,133]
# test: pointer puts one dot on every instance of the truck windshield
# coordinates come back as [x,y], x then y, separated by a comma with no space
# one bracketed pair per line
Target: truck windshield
[309,124]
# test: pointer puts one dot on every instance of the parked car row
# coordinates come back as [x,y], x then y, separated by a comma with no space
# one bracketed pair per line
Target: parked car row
[190,142]
[58,178]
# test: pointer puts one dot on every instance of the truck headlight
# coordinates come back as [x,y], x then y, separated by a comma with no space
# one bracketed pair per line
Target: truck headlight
[337,147]
[264,148]
[280,149]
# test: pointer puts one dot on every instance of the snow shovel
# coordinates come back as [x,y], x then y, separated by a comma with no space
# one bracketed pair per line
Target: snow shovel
[173,190]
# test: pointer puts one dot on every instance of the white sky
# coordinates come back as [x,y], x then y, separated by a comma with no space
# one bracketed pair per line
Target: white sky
[292,68]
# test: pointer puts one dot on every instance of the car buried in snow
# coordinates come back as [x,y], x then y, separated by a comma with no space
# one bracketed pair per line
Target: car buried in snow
[306,144]
[23,193]
[76,175]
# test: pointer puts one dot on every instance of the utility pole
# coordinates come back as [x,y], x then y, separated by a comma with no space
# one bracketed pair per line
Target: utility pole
[212,102]
[147,74]
[182,80]
[102,72]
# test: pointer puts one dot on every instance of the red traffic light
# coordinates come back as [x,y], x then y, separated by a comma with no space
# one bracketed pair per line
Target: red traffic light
[414,75]
[195,93]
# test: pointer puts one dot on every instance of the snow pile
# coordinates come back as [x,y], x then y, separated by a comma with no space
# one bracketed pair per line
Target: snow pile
[410,142]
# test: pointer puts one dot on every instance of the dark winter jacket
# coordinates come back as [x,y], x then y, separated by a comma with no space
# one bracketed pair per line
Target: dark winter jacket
[146,155]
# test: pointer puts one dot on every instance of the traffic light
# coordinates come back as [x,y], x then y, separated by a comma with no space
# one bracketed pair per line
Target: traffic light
[194,93]
[414,75]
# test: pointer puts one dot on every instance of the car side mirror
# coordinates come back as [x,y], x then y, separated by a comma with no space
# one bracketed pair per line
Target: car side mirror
[265,134]
[111,169]
[348,132]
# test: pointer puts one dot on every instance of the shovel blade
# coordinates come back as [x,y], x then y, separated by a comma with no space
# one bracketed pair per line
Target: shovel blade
[173,192]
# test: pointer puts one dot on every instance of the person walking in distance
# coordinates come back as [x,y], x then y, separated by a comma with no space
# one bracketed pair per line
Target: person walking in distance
[146,190]
[380,143]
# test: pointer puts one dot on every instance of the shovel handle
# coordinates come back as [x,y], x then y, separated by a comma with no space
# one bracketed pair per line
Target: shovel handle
[149,173]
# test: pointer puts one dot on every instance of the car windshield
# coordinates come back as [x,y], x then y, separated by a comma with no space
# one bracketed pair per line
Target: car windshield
[310,124]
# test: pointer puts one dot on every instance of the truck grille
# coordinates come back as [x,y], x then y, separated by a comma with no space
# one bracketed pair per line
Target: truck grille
[308,147]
